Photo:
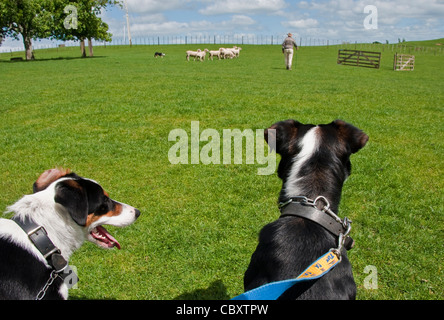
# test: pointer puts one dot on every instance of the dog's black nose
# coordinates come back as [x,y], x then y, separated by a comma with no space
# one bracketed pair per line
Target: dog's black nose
[137,213]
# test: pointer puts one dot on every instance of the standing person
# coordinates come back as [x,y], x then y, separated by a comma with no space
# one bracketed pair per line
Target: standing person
[287,50]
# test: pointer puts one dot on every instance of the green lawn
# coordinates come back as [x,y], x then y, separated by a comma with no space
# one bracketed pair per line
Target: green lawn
[108,118]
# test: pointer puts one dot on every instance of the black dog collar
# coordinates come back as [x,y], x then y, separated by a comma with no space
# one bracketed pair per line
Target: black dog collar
[307,209]
[39,237]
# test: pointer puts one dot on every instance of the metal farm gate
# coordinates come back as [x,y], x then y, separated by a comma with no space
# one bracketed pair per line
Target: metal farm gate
[367,59]
[403,62]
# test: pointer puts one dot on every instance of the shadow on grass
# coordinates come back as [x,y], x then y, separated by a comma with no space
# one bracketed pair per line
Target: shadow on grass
[16,60]
[84,298]
[216,291]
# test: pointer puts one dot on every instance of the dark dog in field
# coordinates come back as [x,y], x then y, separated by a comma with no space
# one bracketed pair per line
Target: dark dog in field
[48,226]
[315,162]
[159,54]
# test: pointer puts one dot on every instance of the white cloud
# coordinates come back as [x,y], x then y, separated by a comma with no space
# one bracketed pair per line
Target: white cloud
[344,19]
[302,23]
[243,6]
[334,19]
[168,27]
[155,6]
[392,10]
[322,19]
[242,20]
[340,20]
[199,26]
[149,18]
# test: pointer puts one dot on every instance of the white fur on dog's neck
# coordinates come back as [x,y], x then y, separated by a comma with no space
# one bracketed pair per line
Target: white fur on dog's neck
[309,145]
[64,233]
[62,230]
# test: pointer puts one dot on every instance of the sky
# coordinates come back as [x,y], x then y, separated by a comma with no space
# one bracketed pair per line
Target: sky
[334,20]
[326,19]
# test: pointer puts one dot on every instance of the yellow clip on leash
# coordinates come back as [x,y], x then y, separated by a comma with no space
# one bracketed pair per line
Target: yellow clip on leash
[273,290]
[320,266]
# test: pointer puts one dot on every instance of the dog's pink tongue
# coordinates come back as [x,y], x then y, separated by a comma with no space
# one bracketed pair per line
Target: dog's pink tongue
[112,241]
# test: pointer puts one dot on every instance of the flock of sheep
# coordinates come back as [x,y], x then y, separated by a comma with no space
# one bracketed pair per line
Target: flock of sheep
[222,53]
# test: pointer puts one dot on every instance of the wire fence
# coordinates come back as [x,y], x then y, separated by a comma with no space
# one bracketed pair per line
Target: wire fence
[220,40]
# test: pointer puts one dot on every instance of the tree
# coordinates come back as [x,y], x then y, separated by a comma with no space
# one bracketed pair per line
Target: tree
[29,18]
[78,20]
[2,21]
[33,19]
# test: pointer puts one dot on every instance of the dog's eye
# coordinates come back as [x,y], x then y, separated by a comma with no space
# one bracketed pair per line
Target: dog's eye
[102,209]
[105,206]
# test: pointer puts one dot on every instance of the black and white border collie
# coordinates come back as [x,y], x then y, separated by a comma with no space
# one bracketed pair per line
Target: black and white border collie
[71,209]
[315,161]
[159,54]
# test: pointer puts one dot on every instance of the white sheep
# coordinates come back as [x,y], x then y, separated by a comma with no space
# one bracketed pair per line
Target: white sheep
[236,51]
[202,54]
[191,53]
[227,53]
[214,53]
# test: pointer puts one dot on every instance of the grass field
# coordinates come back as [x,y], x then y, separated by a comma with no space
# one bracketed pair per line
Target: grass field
[108,118]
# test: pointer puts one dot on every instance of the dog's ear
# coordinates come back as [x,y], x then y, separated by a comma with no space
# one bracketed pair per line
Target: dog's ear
[71,195]
[354,137]
[270,137]
[281,134]
[48,177]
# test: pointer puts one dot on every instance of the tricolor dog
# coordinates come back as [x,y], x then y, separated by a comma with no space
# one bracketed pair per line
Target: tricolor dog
[315,162]
[48,226]
[159,54]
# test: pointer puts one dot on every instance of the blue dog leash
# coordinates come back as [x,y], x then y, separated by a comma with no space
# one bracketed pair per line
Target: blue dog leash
[325,263]
[273,290]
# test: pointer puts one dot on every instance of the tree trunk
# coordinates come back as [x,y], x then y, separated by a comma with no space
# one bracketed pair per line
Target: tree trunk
[27,41]
[90,46]
[82,48]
